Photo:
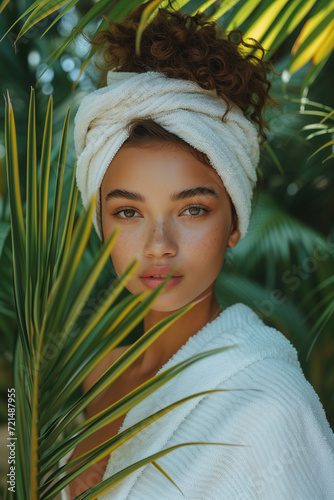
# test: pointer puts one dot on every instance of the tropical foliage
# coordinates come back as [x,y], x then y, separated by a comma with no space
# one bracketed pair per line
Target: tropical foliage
[268,22]
[53,355]
[282,268]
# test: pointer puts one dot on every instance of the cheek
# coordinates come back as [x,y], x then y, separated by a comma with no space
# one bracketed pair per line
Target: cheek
[210,243]
[124,252]
[207,253]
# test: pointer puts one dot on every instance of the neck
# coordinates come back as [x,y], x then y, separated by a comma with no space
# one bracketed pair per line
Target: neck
[176,335]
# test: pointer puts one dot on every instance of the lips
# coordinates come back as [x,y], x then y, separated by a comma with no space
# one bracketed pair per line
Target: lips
[158,271]
[153,276]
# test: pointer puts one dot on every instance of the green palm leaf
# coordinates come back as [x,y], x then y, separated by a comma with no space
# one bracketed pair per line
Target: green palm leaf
[4,231]
[4,3]
[269,22]
[18,230]
[45,264]
[44,172]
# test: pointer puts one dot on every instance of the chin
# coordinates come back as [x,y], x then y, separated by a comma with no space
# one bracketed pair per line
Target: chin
[165,303]
[174,299]
[171,304]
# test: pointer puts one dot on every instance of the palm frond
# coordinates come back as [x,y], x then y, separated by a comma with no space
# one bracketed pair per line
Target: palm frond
[272,235]
[53,355]
[269,22]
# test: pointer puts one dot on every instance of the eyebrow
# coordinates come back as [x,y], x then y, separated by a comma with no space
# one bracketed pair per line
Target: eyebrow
[186,193]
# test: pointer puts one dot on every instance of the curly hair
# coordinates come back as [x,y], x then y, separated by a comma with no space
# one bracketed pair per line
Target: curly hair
[192,48]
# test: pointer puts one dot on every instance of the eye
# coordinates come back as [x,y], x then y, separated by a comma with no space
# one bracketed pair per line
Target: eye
[195,211]
[127,213]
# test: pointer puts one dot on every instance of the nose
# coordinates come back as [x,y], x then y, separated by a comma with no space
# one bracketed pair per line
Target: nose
[161,239]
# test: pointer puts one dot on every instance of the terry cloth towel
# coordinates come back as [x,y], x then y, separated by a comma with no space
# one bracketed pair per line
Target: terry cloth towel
[287,450]
[182,108]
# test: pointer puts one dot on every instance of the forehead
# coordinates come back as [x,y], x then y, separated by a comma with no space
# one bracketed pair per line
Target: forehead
[164,165]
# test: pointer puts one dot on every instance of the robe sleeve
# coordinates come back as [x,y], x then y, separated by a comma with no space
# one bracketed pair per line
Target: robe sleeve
[288,450]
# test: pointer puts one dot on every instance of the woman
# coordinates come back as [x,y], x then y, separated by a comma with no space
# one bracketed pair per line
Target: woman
[167,147]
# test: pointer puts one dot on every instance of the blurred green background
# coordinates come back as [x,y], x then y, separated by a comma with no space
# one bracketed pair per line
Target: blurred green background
[283,269]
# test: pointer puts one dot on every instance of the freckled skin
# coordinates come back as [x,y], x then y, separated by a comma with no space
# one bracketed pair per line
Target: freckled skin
[161,231]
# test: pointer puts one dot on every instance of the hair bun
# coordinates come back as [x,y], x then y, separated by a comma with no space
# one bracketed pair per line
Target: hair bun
[191,48]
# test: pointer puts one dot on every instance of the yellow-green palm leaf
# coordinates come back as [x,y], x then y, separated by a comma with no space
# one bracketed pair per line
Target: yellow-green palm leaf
[53,356]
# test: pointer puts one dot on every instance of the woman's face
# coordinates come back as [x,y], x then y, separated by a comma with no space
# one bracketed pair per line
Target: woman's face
[173,212]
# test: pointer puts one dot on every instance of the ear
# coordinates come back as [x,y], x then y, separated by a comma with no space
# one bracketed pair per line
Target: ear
[235,235]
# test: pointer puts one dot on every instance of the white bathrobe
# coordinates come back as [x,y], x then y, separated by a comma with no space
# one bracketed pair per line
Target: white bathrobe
[287,446]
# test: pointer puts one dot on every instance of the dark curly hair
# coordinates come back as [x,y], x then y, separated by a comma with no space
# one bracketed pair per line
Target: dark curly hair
[192,48]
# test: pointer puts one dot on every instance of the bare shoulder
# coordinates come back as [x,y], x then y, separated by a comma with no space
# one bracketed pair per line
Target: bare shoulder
[102,367]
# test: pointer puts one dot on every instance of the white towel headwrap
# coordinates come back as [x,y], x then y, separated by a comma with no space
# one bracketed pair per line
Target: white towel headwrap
[182,108]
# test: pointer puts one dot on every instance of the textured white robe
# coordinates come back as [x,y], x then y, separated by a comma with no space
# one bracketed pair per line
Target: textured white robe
[288,446]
